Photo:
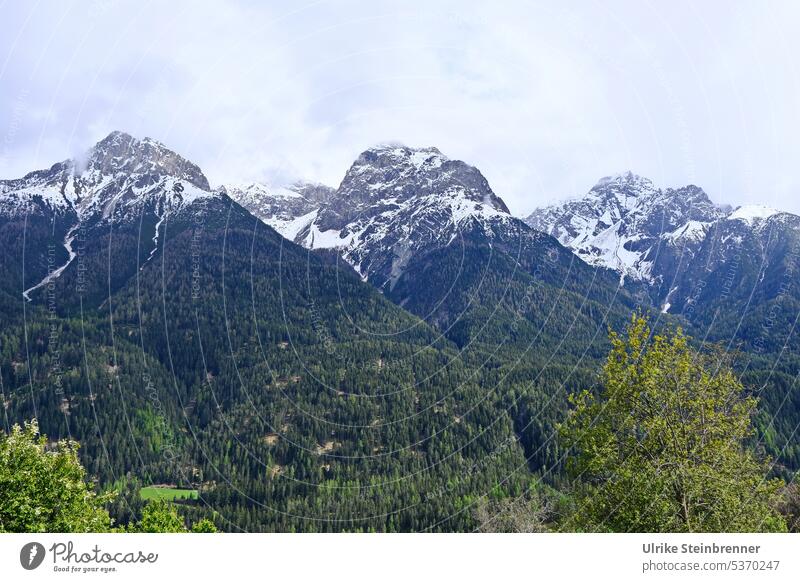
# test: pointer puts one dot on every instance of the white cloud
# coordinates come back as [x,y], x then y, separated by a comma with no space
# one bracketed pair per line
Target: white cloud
[544,100]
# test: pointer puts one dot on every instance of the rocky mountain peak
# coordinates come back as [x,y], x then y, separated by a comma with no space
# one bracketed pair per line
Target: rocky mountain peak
[623,220]
[116,178]
[398,154]
[624,181]
[120,152]
[389,174]
[395,203]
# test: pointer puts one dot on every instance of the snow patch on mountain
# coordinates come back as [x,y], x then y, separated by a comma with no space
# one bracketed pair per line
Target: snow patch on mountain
[611,249]
[329,239]
[693,230]
[289,209]
[54,274]
[291,228]
[752,213]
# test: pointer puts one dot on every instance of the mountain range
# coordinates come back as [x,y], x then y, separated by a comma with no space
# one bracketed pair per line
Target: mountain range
[673,249]
[310,357]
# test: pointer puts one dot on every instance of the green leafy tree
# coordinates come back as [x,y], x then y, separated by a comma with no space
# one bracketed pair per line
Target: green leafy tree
[160,516]
[43,486]
[205,525]
[662,448]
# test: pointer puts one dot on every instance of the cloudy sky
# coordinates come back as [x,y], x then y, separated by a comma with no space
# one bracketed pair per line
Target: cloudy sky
[544,98]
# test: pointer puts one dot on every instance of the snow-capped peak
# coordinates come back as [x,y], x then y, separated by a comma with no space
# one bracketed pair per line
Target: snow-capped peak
[392,172]
[123,153]
[394,202]
[120,180]
[398,155]
[622,220]
[119,172]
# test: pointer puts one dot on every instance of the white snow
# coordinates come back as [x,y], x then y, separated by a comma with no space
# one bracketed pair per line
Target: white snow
[752,212]
[155,240]
[608,249]
[189,194]
[53,275]
[461,207]
[420,157]
[329,239]
[50,193]
[256,190]
[693,230]
[613,252]
[291,228]
[667,304]
[155,237]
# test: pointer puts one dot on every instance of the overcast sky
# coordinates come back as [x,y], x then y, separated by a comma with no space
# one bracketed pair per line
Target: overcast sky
[544,98]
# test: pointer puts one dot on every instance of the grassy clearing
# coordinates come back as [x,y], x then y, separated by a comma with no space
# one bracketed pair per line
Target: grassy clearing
[167,493]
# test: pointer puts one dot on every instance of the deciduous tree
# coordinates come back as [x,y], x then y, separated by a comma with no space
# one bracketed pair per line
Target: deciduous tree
[662,448]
